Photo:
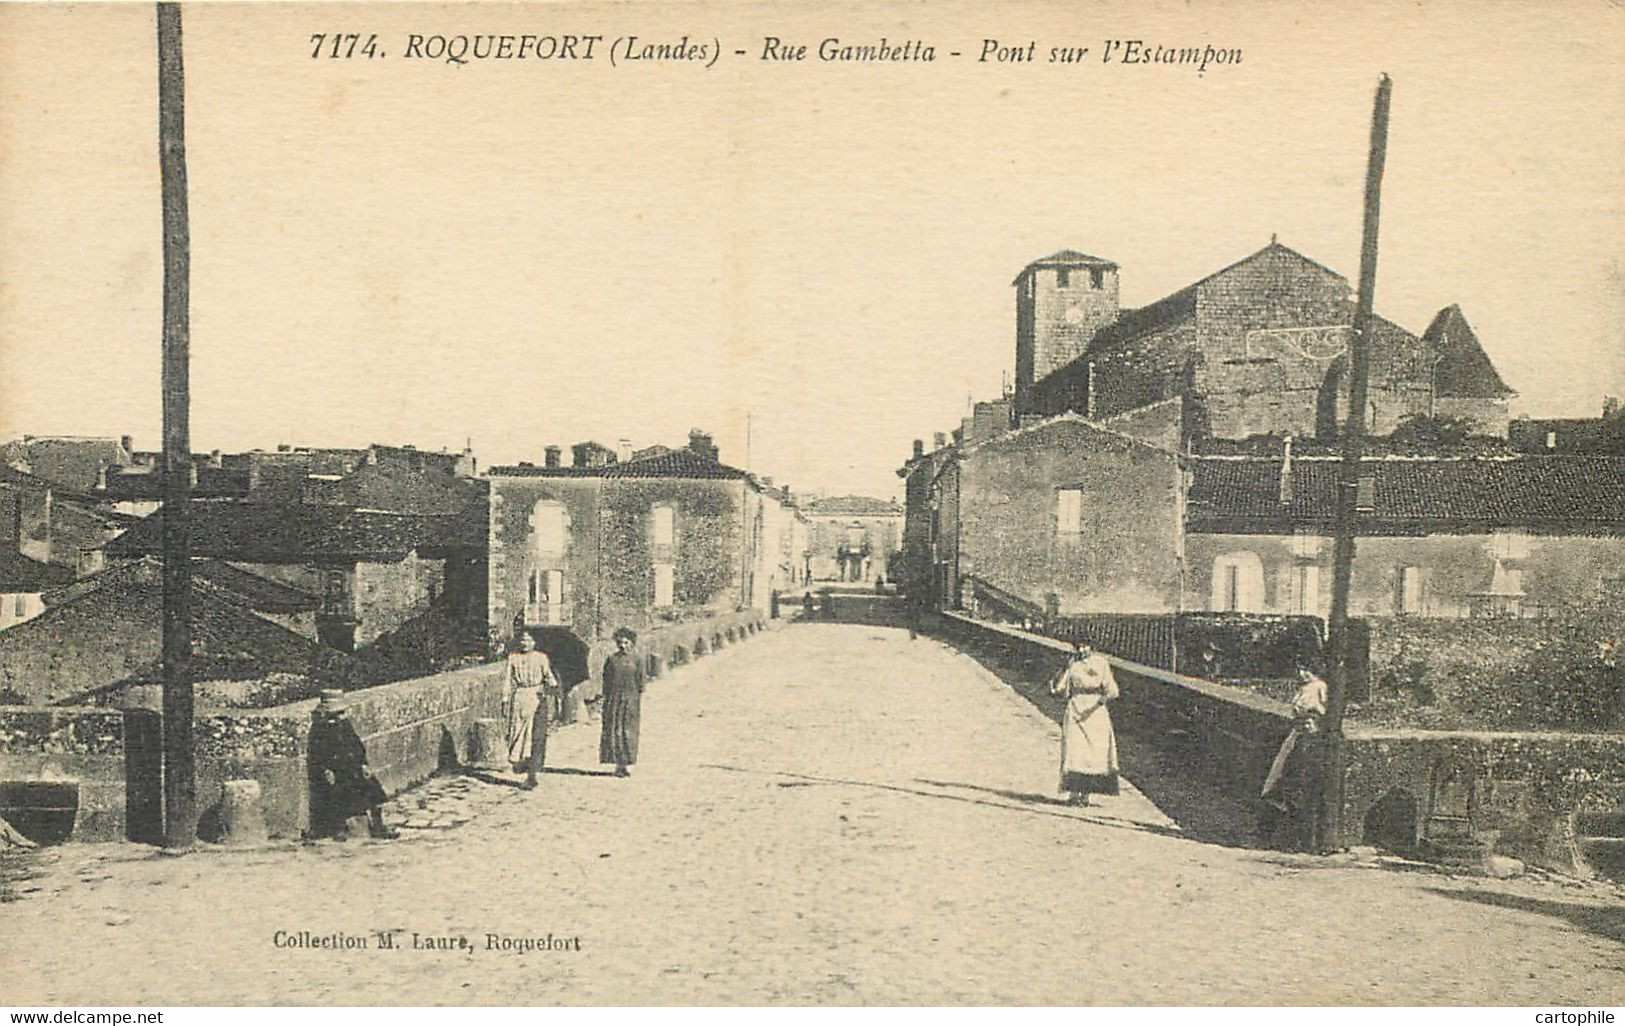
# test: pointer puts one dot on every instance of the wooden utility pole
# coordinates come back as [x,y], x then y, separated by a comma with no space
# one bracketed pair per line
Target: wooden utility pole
[180,771]
[1348,485]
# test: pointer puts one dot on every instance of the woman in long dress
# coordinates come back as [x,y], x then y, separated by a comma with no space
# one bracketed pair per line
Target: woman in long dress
[622,704]
[529,671]
[1088,743]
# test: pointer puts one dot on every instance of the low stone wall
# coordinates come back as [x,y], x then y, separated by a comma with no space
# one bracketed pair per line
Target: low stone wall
[411,728]
[1226,735]
[1522,789]
[68,745]
[665,646]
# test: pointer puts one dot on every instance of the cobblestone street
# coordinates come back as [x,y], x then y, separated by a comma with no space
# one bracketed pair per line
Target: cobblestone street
[830,813]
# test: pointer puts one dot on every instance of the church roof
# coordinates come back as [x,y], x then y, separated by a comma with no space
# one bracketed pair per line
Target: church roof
[1464,369]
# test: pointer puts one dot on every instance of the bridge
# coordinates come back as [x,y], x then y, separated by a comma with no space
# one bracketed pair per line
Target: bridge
[830,813]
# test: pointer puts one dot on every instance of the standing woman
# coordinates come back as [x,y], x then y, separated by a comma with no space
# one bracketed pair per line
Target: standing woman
[529,671]
[622,704]
[1088,743]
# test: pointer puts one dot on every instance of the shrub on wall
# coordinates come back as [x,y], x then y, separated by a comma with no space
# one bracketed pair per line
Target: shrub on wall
[1556,673]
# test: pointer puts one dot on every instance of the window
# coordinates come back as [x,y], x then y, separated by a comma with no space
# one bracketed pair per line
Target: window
[665,585]
[665,525]
[1305,591]
[548,527]
[1238,583]
[1069,511]
[1097,277]
[1510,545]
[1551,439]
[546,603]
[1410,591]
[1063,278]
[1305,544]
[336,592]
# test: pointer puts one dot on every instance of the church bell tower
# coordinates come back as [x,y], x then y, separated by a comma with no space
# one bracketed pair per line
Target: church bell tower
[1061,301]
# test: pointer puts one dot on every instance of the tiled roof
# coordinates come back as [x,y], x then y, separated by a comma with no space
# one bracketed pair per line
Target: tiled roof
[18,573]
[23,479]
[1464,370]
[675,463]
[258,593]
[1409,494]
[146,483]
[112,625]
[853,506]
[269,532]
[219,579]
[70,462]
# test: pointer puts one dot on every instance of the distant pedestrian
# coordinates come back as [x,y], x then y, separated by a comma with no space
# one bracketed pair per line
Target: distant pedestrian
[807,605]
[1308,709]
[1088,743]
[341,783]
[622,704]
[529,681]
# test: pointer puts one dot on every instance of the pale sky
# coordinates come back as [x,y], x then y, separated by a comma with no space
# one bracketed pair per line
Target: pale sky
[527,253]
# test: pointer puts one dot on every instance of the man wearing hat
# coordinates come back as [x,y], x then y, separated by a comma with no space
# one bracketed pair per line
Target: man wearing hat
[341,783]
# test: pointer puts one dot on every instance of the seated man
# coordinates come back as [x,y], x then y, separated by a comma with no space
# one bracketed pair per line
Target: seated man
[341,783]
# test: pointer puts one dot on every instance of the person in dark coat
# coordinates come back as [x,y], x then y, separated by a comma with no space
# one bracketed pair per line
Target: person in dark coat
[622,704]
[341,783]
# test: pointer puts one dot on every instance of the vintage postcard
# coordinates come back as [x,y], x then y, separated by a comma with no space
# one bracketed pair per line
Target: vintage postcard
[812,504]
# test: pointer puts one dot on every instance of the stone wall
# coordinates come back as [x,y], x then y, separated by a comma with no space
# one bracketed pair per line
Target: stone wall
[1227,736]
[1525,791]
[79,745]
[411,729]
[1124,558]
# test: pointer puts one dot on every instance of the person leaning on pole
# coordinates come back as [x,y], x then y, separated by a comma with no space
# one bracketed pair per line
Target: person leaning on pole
[1308,710]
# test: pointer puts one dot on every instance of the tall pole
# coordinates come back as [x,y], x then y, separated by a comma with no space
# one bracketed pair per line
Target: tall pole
[1348,483]
[180,771]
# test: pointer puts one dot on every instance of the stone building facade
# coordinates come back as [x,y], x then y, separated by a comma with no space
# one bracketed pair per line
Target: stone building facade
[853,537]
[1257,348]
[1146,462]
[577,551]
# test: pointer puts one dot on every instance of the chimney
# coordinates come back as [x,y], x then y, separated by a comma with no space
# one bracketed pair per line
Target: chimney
[127,443]
[919,448]
[553,454]
[578,455]
[939,440]
[1286,473]
[284,447]
[623,450]
[215,460]
[1610,405]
